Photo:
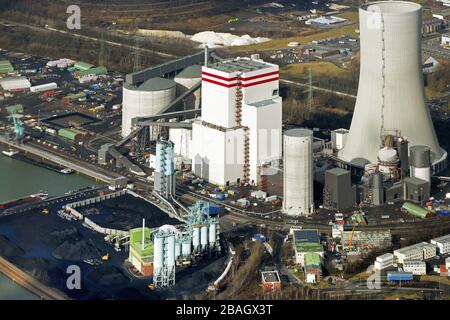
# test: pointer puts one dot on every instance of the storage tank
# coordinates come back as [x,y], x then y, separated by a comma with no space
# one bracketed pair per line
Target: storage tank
[186,247]
[212,233]
[177,250]
[204,237]
[170,262]
[420,162]
[145,100]
[196,238]
[391,93]
[158,254]
[185,80]
[298,172]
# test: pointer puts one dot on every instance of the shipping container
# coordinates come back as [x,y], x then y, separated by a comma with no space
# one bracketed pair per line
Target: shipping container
[399,276]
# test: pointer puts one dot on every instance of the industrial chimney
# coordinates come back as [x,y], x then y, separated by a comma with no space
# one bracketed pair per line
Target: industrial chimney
[391,96]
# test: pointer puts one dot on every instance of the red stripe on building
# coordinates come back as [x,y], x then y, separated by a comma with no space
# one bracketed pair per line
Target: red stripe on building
[219,83]
[218,77]
[246,85]
[263,75]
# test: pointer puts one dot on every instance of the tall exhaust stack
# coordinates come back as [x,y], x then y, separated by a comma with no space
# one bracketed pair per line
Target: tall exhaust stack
[391,95]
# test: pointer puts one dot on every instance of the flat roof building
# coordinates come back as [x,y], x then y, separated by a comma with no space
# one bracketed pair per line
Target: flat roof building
[420,251]
[306,241]
[416,267]
[442,244]
[270,281]
[384,261]
[338,191]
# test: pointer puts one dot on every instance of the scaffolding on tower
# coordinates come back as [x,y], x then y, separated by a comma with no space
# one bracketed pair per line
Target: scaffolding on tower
[239,97]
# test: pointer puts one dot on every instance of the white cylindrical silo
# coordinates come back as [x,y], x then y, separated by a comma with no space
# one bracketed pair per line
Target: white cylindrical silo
[212,233]
[298,172]
[170,249]
[185,80]
[158,254]
[204,237]
[145,100]
[186,248]
[196,238]
[177,250]
[391,96]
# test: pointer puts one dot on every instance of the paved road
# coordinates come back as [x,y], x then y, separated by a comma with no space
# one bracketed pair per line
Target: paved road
[29,282]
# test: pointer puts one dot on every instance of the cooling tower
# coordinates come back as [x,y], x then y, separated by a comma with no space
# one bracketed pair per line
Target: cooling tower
[391,94]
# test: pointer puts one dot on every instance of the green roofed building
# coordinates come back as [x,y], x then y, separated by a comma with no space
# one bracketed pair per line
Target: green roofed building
[306,241]
[5,67]
[312,259]
[97,71]
[141,254]
[82,66]
[70,134]
[415,210]
[313,269]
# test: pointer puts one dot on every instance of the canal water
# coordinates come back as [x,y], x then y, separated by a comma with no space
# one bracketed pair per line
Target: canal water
[18,179]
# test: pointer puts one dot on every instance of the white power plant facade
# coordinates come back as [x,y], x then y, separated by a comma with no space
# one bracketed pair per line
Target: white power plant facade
[391,96]
[298,176]
[240,127]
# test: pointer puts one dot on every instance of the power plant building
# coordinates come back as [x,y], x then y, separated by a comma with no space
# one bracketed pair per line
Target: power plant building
[391,97]
[298,172]
[240,128]
[145,100]
[141,251]
[339,193]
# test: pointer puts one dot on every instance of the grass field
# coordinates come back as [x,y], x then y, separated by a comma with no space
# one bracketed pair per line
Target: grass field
[319,68]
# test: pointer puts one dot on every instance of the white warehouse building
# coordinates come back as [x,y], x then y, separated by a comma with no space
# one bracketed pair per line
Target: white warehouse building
[420,251]
[416,267]
[240,128]
[442,244]
[148,99]
[384,261]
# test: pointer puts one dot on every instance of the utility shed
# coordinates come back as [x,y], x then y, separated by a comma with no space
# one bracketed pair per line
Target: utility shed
[415,210]
[6,67]
[82,66]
